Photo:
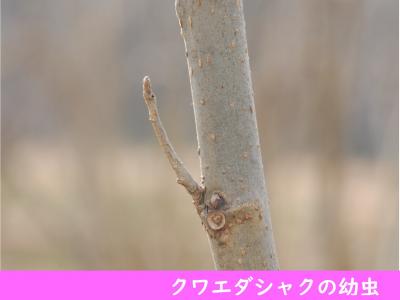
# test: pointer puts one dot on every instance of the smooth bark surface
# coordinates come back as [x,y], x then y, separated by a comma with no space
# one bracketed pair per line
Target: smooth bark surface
[232,198]
[235,193]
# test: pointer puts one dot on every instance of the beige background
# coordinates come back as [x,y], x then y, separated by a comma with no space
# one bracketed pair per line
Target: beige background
[85,185]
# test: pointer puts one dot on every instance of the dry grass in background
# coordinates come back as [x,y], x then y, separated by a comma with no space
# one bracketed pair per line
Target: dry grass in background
[140,219]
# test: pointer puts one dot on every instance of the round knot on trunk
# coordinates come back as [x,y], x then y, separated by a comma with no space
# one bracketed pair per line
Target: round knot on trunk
[216,220]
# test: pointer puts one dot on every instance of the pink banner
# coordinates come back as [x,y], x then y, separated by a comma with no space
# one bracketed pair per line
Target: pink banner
[199,285]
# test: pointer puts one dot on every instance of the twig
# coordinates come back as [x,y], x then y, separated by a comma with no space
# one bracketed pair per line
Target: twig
[184,177]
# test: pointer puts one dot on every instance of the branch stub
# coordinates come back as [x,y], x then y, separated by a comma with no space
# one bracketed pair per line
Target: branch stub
[216,220]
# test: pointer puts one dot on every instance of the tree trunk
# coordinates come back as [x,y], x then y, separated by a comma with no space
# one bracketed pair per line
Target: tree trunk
[231,164]
[233,204]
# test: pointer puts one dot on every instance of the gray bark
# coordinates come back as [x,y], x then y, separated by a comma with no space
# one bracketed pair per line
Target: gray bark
[232,199]
[231,163]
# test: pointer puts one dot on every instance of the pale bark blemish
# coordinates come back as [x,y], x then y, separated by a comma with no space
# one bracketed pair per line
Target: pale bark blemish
[245,155]
[212,137]
[190,22]
[200,63]
[203,102]
[208,59]
[194,53]
[224,238]
[240,261]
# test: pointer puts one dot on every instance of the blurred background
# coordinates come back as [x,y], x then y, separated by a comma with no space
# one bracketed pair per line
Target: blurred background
[86,186]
